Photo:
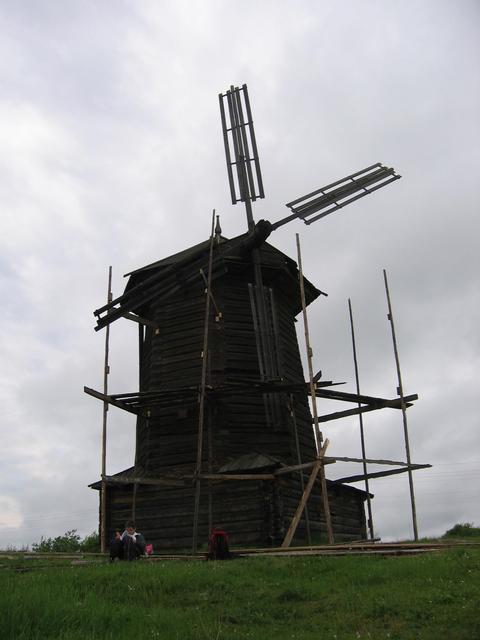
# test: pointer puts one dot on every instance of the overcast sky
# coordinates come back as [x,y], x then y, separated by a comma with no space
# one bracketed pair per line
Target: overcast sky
[111,154]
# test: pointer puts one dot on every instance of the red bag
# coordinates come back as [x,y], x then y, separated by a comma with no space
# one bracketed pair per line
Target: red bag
[149,549]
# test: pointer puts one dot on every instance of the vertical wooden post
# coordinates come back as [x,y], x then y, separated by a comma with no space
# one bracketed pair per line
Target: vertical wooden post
[141,336]
[360,417]
[106,371]
[201,398]
[404,409]
[318,433]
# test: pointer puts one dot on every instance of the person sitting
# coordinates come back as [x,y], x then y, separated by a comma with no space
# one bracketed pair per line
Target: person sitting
[129,545]
[218,545]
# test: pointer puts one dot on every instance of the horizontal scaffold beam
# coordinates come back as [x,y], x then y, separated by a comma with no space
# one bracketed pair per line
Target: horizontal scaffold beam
[110,400]
[392,404]
[140,320]
[184,480]
[164,482]
[381,474]
[333,394]
[133,401]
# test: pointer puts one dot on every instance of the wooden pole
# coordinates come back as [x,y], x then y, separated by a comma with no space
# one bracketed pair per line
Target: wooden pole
[141,337]
[360,419]
[299,460]
[404,410]
[106,371]
[201,399]
[318,433]
[304,499]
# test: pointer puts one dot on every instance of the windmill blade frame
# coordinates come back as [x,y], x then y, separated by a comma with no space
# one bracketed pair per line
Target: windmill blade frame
[338,194]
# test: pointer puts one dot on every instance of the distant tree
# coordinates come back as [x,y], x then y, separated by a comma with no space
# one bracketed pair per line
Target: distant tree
[91,543]
[70,541]
[463,530]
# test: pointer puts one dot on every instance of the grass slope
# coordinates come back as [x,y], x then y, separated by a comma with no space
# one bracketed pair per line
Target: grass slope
[430,597]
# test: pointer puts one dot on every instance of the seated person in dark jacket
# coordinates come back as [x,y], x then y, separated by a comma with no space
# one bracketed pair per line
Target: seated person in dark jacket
[129,545]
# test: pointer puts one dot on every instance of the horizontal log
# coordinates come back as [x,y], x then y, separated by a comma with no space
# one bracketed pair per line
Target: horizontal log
[238,476]
[166,482]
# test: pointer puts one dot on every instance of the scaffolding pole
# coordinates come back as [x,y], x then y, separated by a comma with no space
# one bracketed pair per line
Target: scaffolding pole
[403,407]
[318,433]
[201,399]
[360,418]
[300,462]
[106,371]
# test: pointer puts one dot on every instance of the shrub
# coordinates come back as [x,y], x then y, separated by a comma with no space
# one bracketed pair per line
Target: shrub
[91,543]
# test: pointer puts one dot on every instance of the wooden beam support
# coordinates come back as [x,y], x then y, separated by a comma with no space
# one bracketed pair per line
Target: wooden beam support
[392,404]
[109,399]
[367,460]
[135,318]
[299,467]
[381,474]
[238,476]
[331,394]
[304,499]
[166,482]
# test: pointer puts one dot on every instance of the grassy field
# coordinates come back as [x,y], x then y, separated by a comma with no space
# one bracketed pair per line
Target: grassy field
[431,596]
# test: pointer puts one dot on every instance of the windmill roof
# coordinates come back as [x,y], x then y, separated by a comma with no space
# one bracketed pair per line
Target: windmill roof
[190,252]
[162,278]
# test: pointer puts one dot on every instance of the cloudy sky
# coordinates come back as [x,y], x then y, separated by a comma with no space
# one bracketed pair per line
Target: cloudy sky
[111,154]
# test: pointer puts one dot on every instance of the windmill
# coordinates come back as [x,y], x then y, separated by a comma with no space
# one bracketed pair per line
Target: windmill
[223,424]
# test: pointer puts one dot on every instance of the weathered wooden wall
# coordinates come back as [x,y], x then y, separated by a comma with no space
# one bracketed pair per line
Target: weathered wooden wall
[236,425]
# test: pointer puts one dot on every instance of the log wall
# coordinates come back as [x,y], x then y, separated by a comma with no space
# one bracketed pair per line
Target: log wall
[250,511]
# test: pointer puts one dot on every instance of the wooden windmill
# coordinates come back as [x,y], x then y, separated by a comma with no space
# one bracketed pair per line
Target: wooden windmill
[224,427]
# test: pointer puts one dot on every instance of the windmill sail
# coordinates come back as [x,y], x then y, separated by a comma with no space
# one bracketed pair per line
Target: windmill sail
[338,194]
[239,137]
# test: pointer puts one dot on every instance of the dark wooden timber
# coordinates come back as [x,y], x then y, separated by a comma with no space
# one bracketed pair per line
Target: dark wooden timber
[333,394]
[109,400]
[393,404]
[140,320]
[382,474]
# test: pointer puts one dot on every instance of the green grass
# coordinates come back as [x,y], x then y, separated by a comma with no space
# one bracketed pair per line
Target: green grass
[430,596]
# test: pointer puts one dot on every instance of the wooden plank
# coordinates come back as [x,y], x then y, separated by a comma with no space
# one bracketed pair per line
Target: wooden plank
[331,394]
[367,460]
[238,476]
[393,404]
[140,320]
[109,399]
[299,467]
[381,474]
[167,482]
